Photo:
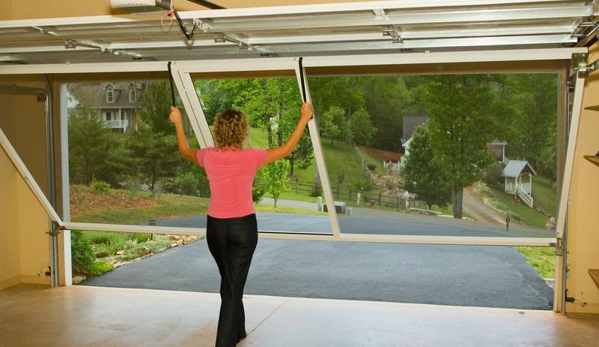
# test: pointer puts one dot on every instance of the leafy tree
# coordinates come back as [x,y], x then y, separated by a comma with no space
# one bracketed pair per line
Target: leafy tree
[303,155]
[463,110]
[361,128]
[153,155]
[346,92]
[423,174]
[534,98]
[548,155]
[94,152]
[155,107]
[275,177]
[388,99]
[334,125]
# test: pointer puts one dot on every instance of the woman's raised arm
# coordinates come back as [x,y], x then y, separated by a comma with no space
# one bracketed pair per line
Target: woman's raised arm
[186,151]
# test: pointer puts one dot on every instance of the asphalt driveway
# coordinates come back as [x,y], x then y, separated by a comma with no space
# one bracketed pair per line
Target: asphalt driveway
[484,276]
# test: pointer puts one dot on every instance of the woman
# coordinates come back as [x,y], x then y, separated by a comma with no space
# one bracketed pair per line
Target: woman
[232,231]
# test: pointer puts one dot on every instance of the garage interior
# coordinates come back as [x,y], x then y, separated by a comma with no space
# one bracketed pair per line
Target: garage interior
[44,45]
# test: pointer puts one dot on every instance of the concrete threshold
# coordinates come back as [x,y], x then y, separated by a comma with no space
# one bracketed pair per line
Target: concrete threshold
[32,315]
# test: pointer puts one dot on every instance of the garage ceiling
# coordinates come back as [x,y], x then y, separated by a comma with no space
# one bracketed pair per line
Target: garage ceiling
[332,29]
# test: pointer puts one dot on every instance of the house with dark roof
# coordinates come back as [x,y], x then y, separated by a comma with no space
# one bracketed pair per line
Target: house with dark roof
[116,102]
[410,123]
[497,148]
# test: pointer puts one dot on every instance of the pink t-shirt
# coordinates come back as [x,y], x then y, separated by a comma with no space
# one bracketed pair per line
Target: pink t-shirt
[231,175]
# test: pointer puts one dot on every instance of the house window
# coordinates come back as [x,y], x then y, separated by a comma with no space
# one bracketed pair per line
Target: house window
[132,94]
[108,116]
[110,94]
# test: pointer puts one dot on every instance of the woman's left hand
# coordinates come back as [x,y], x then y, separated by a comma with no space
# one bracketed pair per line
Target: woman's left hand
[175,115]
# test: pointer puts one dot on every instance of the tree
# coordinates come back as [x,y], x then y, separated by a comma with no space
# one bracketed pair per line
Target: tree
[422,174]
[346,92]
[153,155]
[388,99]
[548,155]
[275,177]
[361,128]
[94,152]
[463,110]
[334,125]
[155,107]
[534,96]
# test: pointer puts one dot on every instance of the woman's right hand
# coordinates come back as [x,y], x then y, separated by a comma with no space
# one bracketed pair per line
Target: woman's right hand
[175,116]
[307,111]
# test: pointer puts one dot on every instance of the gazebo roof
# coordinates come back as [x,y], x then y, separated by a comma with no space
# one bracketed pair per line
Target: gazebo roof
[515,167]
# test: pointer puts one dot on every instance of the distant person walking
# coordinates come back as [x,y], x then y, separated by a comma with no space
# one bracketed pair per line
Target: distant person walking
[232,230]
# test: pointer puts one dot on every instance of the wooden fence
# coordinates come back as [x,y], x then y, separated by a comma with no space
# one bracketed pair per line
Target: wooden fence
[368,199]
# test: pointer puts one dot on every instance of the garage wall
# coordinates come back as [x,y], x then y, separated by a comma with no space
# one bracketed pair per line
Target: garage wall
[583,225]
[9,225]
[23,223]
[5,10]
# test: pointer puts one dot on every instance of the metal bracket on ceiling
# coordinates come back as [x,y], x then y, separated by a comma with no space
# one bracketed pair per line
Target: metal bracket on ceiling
[221,37]
[393,32]
[379,12]
[72,44]
[45,31]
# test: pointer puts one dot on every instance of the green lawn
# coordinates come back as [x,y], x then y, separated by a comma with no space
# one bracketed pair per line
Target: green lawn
[544,194]
[540,258]
[166,206]
[519,212]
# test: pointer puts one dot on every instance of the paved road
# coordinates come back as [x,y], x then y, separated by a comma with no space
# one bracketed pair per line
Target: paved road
[430,274]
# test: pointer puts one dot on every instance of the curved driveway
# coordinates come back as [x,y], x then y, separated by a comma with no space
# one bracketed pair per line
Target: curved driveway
[488,276]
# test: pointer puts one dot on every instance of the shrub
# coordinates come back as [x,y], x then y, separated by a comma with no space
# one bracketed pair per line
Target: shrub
[100,267]
[105,240]
[492,175]
[137,237]
[100,186]
[371,167]
[316,191]
[102,253]
[185,183]
[82,256]
[258,193]
[364,184]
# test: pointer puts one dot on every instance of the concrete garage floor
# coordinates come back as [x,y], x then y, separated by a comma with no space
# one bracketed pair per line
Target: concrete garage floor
[40,316]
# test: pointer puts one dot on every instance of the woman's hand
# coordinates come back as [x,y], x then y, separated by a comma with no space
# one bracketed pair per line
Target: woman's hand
[175,116]
[307,111]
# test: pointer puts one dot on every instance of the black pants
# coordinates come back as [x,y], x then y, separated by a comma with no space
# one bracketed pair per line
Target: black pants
[232,242]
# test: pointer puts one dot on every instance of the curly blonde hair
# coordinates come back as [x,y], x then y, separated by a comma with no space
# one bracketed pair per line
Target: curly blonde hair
[230,129]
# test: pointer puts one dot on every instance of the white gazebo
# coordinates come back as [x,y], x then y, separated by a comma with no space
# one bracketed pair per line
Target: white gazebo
[516,174]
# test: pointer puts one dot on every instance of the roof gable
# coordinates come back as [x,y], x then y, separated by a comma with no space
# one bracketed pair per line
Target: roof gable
[410,123]
[516,167]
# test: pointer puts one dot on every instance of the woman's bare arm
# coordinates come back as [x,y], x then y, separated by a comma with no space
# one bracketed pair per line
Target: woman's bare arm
[186,151]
